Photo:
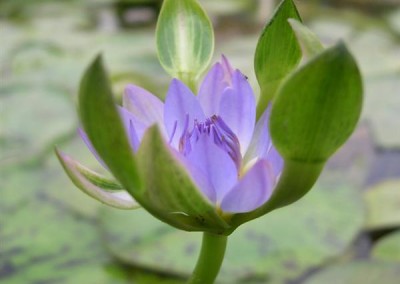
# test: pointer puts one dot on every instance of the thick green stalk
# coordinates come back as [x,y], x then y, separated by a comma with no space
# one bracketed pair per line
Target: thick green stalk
[210,259]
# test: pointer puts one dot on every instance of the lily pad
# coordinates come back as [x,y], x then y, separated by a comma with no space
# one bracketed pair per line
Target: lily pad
[381,72]
[382,108]
[278,247]
[383,205]
[48,228]
[388,248]
[38,243]
[33,118]
[352,162]
[366,272]
[394,20]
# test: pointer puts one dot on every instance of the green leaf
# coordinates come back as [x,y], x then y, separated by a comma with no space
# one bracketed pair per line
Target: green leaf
[317,107]
[103,125]
[383,205]
[185,39]
[169,193]
[274,249]
[54,246]
[35,117]
[382,102]
[387,248]
[277,53]
[309,42]
[107,191]
[358,272]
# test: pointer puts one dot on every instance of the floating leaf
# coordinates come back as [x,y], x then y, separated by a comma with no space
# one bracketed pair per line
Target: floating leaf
[382,108]
[37,236]
[383,205]
[35,117]
[388,248]
[277,247]
[361,272]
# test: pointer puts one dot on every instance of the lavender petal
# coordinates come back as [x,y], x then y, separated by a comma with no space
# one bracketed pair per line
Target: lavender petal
[90,146]
[211,90]
[261,141]
[180,106]
[130,121]
[215,165]
[276,161]
[252,191]
[238,109]
[228,70]
[146,107]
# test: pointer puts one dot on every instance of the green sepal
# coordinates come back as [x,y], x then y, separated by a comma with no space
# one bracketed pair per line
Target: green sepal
[96,186]
[309,42]
[185,40]
[317,107]
[277,53]
[102,123]
[314,112]
[169,192]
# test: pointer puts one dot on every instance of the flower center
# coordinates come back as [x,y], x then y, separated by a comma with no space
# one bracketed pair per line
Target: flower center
[217,130]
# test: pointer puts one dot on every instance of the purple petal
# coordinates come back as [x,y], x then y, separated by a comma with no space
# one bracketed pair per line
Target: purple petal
[133,137]
[130,121]
[275,160]
[261,146]
[181,109]
[228,70]
[252,191]
[238,109]
[89,144]
[261,140]
[215,165]
[211,90]
[213,85]
[146,107]
[198,177]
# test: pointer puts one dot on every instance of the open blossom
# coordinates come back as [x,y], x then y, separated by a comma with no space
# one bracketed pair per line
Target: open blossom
[214,135]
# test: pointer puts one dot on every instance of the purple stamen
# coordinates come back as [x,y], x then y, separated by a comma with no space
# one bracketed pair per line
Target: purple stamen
[173,132]
[218,131]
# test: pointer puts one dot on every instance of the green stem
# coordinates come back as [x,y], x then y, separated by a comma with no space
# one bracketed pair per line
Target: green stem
[210,259]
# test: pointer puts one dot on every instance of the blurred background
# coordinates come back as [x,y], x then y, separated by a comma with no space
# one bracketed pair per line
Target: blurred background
[346,230]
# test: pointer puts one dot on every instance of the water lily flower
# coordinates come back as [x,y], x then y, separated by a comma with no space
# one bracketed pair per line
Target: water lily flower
[214,135]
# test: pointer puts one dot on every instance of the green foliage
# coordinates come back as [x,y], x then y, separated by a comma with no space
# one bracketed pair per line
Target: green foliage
[102,123]
[382,201]
[185,40]
[28,126]
[276,249]
[277,53]
[37,232]
[38,113]
[388,248]
[360,272]
[309,42]
[317,107]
